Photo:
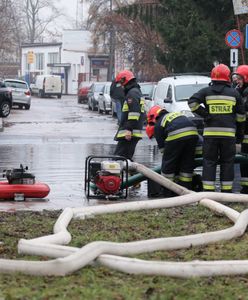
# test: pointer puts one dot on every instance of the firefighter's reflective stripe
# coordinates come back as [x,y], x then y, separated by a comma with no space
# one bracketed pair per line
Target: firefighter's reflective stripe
[179,133]
[133,116]
[135,133]
[170,176]
[226,185]
[219,131]
[142,105]
[170,117]
[208,185]
[221,97]
[125,107]
[220,104]
[240,118]
[245,140]
[244,181]
[198,150]
[185,177]
[194,106]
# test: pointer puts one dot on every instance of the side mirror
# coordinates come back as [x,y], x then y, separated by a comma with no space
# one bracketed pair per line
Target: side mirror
[167,100]
[101,94]
[148,98]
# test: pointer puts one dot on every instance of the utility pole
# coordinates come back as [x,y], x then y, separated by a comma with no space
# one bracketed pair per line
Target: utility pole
[111,46]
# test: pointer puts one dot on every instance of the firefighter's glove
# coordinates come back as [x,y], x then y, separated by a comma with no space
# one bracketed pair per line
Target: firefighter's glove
[128,135]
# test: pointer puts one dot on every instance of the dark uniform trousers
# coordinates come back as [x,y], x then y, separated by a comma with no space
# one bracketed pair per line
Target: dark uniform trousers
[244,171]
[126,148]
[178,158]
[222,151]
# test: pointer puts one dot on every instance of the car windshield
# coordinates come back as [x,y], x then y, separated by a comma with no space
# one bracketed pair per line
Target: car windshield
[184,92]
[99,87]
[147,89]
[16,84]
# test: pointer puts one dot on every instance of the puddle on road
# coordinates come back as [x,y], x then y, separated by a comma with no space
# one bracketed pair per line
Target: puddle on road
[62,167]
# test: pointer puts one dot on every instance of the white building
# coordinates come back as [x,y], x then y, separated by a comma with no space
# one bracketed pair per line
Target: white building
[73,59]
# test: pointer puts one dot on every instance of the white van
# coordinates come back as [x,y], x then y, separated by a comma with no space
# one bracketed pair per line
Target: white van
[47,85]
[173,92]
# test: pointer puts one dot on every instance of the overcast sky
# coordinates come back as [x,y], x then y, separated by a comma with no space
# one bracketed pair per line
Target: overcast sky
[69,8]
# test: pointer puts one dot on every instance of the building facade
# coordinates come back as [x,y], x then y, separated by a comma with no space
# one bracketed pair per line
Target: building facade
[73,59]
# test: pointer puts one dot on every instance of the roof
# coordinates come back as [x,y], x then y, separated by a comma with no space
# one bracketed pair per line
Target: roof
[16,80]
[34,45]
[186,79]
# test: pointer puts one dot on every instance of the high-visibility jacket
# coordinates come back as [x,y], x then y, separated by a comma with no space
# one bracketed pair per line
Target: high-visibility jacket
[173,126]
[222,108]
[133,113]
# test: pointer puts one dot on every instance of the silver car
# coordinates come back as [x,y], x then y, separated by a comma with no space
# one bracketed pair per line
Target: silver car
[20,92]
[104,99]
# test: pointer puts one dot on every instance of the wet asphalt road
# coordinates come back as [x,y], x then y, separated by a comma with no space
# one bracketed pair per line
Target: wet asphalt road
[53,139]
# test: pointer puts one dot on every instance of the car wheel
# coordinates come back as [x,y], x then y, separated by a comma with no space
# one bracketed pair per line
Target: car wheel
[59,96]
[112,112]
[5,109]
[89,106]
[41,94]
[93,106]
[27,106]
[99,109]
[79,100]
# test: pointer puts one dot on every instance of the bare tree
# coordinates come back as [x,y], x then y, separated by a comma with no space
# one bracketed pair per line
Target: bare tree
[38,14]
[8,33]
[133,39]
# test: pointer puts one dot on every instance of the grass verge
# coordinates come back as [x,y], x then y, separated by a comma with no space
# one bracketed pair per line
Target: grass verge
[103,283]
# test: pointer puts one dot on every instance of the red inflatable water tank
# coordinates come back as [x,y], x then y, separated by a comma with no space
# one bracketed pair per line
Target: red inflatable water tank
[36,190]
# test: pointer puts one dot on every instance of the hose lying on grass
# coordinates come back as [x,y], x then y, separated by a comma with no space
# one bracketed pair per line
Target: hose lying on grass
[70,259]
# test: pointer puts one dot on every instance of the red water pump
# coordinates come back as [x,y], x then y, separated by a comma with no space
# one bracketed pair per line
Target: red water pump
[104,176]
[107,183]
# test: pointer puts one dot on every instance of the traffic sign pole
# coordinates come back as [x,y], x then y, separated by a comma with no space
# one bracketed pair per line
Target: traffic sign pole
[234,61]
[242,49]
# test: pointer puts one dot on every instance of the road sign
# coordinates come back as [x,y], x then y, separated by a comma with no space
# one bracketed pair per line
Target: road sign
[246,36]
[240,7]
[234,38]
[234,57]
[30,57]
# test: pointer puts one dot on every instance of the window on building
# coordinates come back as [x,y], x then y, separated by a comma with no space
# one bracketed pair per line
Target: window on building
[53,57]
[39,61]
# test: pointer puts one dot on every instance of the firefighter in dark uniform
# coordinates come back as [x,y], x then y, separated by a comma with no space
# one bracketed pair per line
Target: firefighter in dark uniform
[241,82]
[177,138]
[222,108]
[132,117]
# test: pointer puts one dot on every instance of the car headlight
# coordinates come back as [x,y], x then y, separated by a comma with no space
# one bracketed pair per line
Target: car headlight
[187,113]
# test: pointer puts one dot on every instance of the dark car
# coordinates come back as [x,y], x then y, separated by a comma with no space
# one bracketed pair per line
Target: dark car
[93,94]
[5,100]
[83,90]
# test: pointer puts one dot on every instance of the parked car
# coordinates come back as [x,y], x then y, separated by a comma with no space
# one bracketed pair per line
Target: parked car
[104,99]
[173,93]
[93,94]
[21,95]
[83,90]
[148,91]
[5,100]
[47,85]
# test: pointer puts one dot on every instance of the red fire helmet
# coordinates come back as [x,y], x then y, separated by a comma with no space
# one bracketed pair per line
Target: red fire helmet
[124,77]
[221,73]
